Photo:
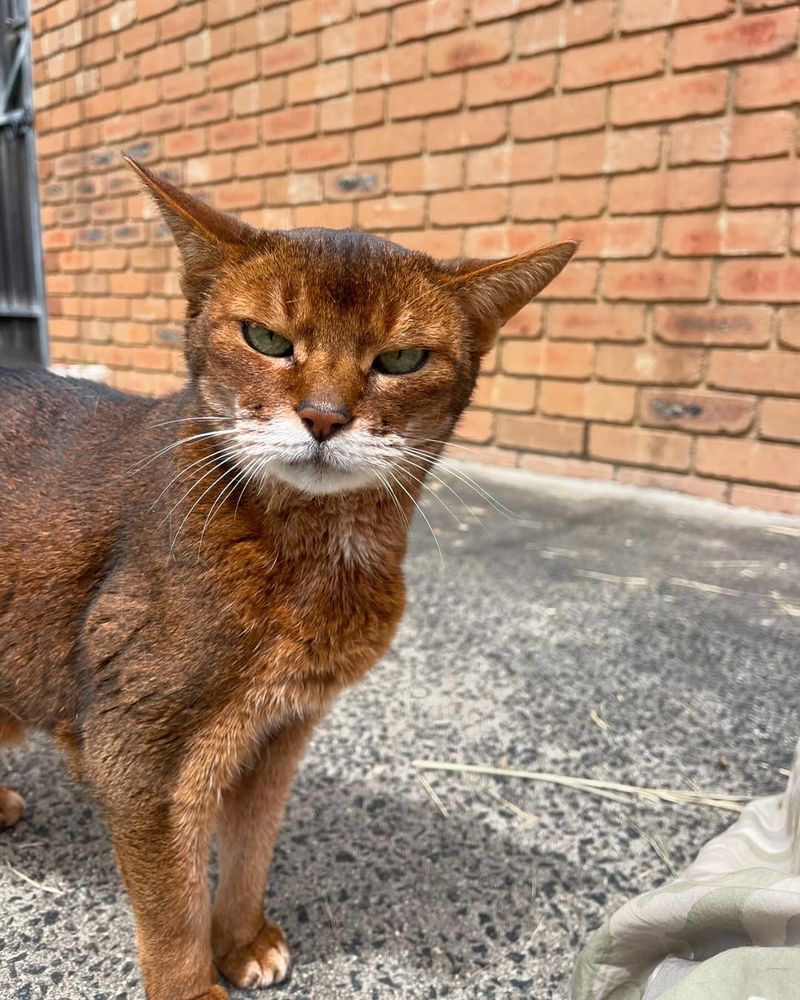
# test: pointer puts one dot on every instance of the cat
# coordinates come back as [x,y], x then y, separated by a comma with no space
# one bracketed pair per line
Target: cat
[187,583]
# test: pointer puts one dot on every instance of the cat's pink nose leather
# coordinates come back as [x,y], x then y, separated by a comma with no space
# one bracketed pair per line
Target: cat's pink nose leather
[323,423]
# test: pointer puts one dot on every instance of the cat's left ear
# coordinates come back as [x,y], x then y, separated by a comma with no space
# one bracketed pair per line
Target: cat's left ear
[492,291]
[205,237]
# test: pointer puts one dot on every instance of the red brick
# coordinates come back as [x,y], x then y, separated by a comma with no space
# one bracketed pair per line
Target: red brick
[262,28]
[314,153]
[724,326]
[484,205]
[707,489]
[725,233]
[776,182]
[436,242]
[563,26]
[632,446]
[578,281]
[353,111]
[780,501]
[390,141]
[658,279]
[180,23]
[234,135]
[257,96]
[688,95]
[780,419]
[504,240]
[338,215]
[295,189]
[292,54]
[759,280]
[526,323]
[735,39]
[392,65]
[609,238]
[209,108]
[650,364]
[509,164]
[466,129]
[641,15]
[394,212]
[238,68]
[789,334]
[359,35]
[588,401]
[676,190]
[752,461]
[307,15]
[491,10]
[290,123]
[768,85]
[515,394]
[151,8]
[562,437]
[475,425]
[428,17]
[607,62]
[262,161]
[541,357]
[428,173]
[475,47]
[596,322]
[138,37]
[562,115]
[701,412]
[771,372]
[187,83]
[549,465]
[319,82]
[524,78]
[165,118]
[426,97]
[571,199]
[609,152]
[354,183]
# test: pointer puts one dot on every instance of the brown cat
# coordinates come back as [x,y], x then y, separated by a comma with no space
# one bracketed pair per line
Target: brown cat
[187,583]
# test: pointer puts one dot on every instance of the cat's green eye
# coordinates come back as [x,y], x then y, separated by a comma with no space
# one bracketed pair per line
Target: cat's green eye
[402,362]
[266,341]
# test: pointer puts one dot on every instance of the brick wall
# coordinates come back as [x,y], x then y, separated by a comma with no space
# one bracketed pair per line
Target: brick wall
[662,133]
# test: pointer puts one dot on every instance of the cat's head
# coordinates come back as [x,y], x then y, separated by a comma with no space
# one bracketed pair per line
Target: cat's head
[337,358]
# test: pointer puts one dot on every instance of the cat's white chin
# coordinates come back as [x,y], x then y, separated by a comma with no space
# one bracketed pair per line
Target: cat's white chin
[321,480]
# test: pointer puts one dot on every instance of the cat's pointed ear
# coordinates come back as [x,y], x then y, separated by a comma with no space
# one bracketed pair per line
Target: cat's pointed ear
[205,237]
[492,291]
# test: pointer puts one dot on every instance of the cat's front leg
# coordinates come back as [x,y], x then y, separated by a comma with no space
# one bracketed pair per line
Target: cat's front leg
[163,859]
[250,950]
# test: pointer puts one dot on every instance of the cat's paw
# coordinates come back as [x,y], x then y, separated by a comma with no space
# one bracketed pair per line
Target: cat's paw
[262,962]
[12,807]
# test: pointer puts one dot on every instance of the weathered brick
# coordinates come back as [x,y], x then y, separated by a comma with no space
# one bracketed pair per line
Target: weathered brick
[649,364]
[725,233]
[561,115]
[752,461]
[574,321]
[428,17]
[735,39]
[774,182]
[641,15]
[515,394]
[657,279]
[428,173]
[392,65]
[732,326]
[759,280]
[587,401]
[563,25]
[608,62]
[676,190]
[540,357]
[687,95]
[523,78]
[789,328]
[390,141]
[395,212]
[768,85]
[466,129]
[770,372]
[632,446]
[353,111]
[700,412]
[608,238]
[474,47]
[696,486]
[570,199]
[561,437]
[780,501]
[780,419]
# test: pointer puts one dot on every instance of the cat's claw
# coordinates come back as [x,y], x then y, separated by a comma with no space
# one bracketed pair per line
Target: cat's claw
[12,807]
[262,962]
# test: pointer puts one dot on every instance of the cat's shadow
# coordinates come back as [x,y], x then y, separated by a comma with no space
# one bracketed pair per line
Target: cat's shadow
[363,867]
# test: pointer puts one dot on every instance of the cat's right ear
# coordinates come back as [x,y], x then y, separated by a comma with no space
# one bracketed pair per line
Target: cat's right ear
[205,237]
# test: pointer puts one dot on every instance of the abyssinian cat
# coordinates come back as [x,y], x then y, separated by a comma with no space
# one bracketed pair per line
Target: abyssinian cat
[187,583]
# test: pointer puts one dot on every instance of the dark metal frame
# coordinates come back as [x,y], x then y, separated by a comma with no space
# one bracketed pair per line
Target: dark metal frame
[23,322]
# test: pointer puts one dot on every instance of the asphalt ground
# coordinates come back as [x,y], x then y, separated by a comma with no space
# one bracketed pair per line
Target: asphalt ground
[599,632]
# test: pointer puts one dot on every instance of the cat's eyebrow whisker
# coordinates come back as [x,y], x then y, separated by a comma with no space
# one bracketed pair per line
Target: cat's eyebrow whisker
[422,514]
[449,488]
[447,466]
[204,460]
[188,420]
[175,444]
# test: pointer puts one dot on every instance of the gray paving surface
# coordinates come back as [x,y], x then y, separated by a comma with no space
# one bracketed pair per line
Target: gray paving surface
[582,604]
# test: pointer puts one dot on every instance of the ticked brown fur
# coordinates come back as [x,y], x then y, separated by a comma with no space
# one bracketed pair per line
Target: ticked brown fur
[182,642]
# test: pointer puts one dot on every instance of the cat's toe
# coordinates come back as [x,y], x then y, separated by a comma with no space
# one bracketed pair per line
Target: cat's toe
[12,807]
[262,962]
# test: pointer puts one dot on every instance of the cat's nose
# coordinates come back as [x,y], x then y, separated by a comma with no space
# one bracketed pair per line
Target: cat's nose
[322,422]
